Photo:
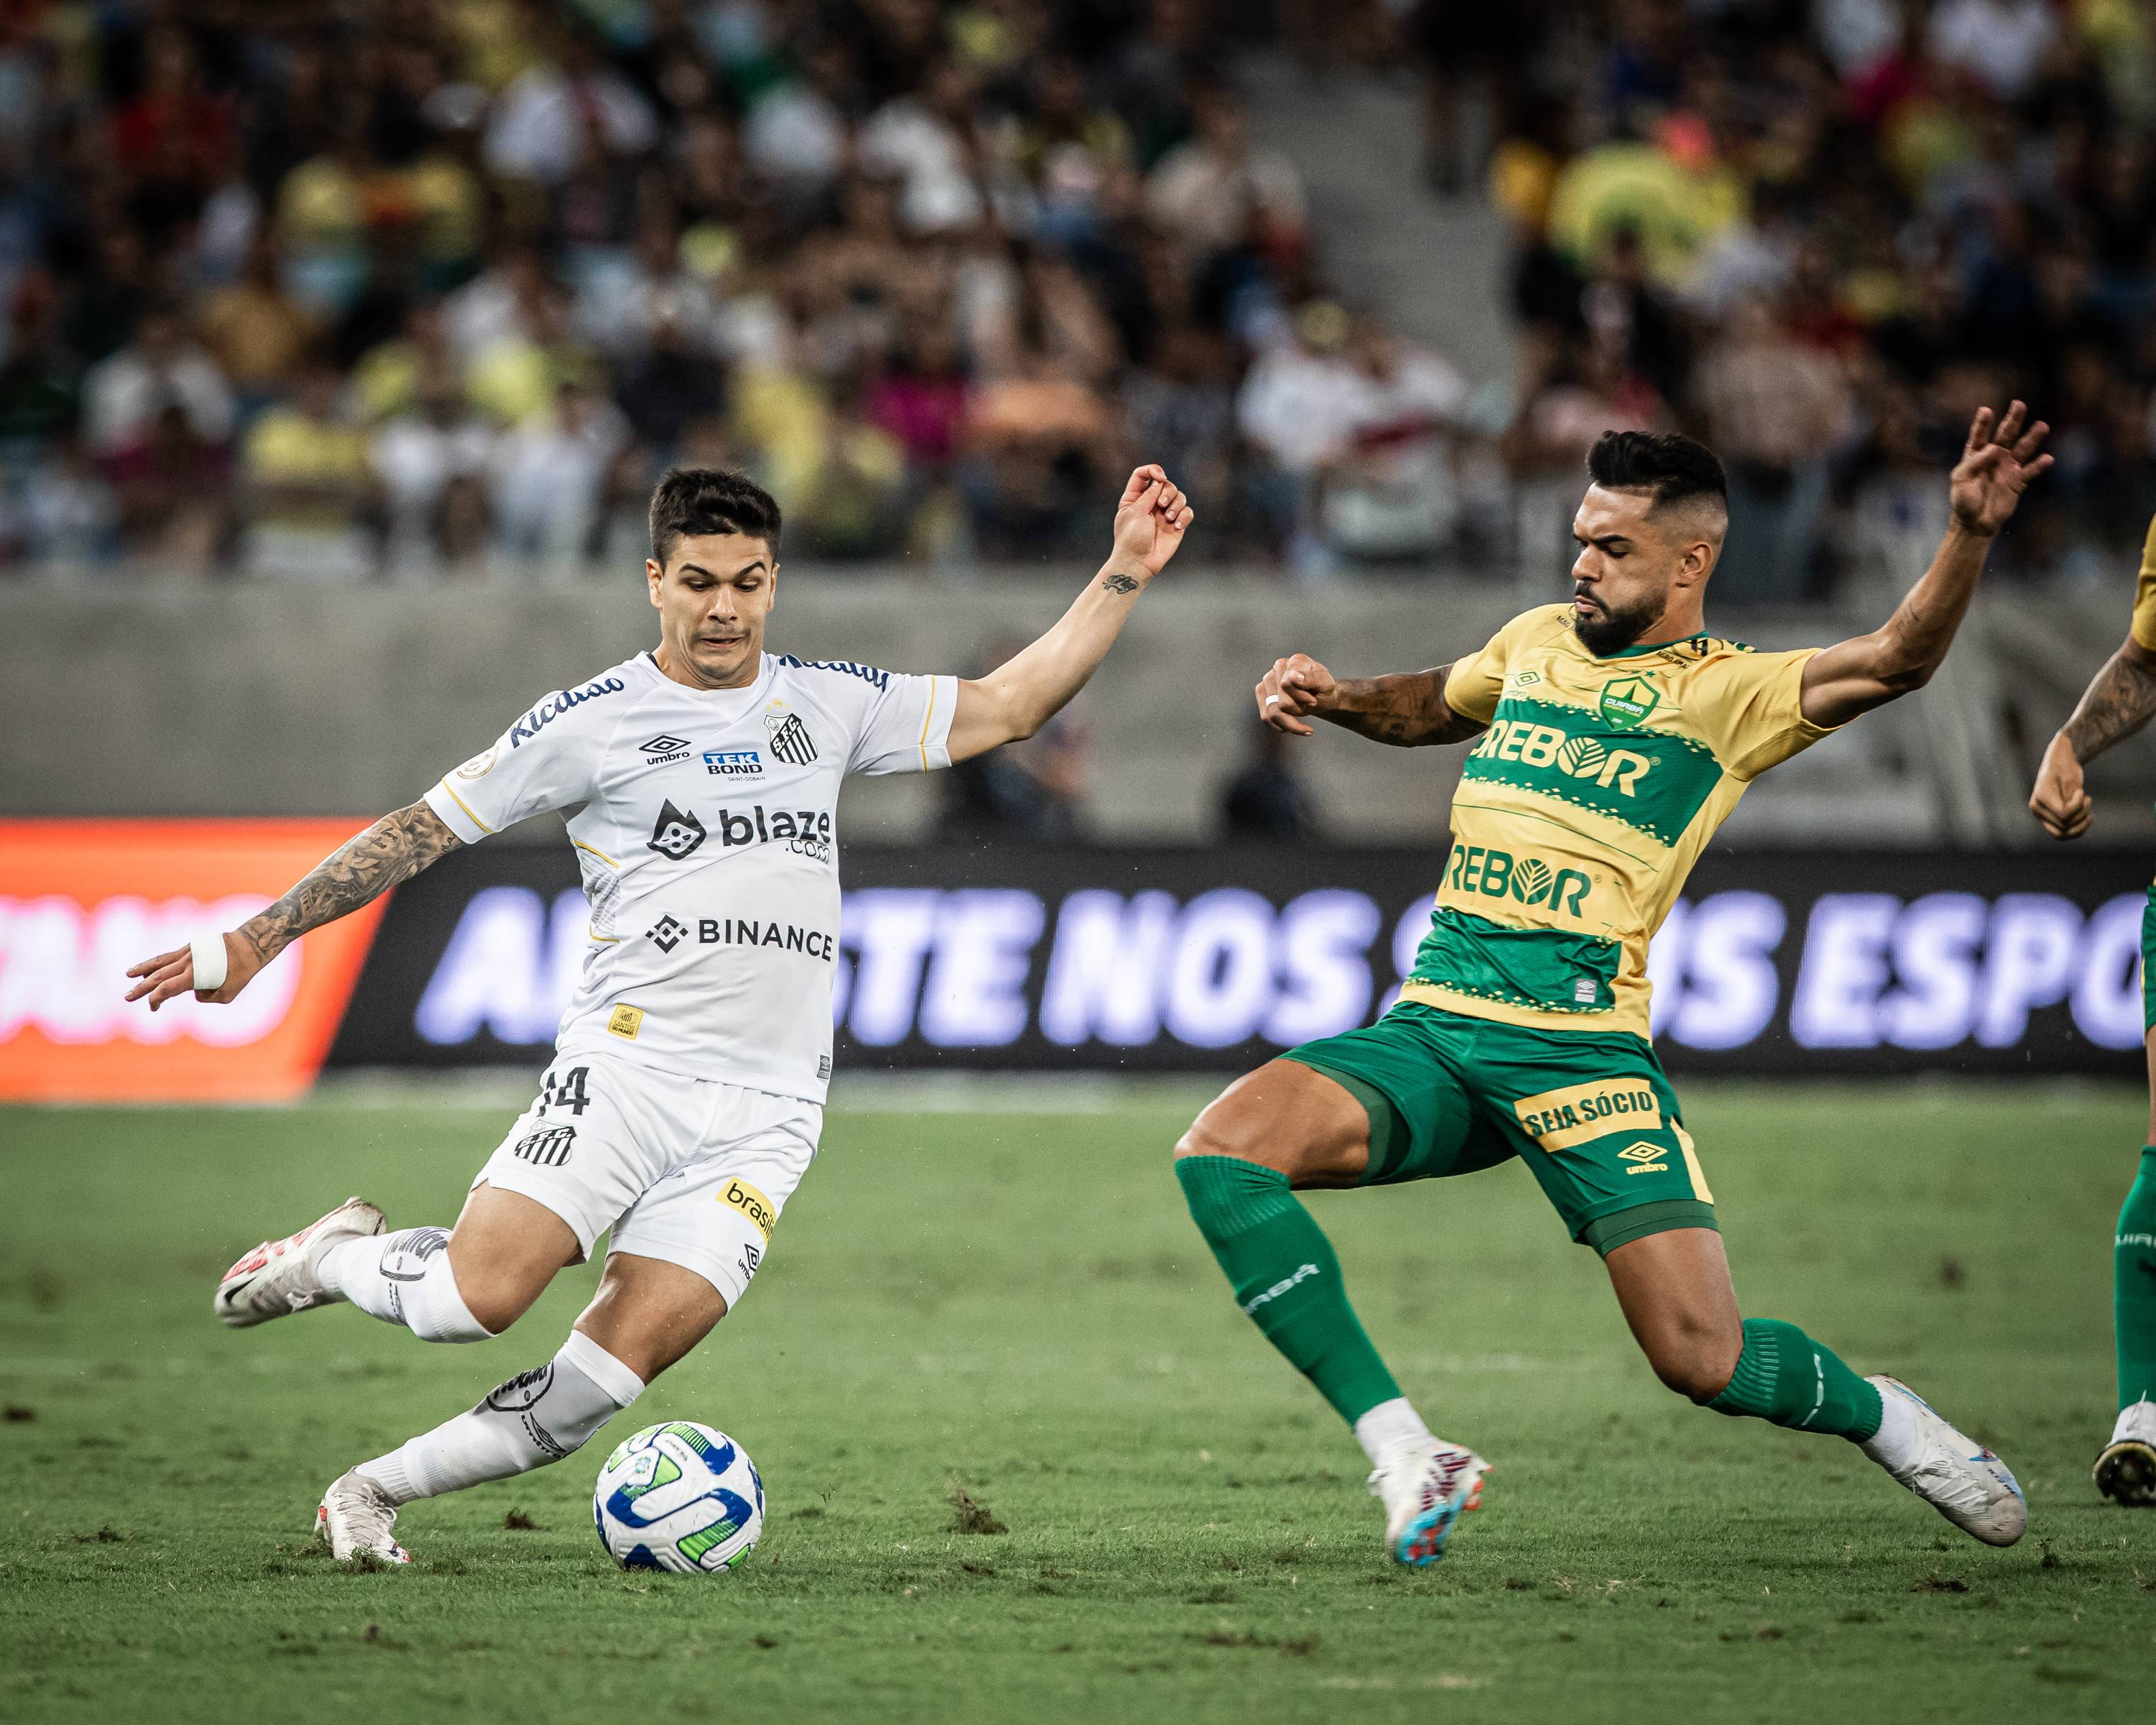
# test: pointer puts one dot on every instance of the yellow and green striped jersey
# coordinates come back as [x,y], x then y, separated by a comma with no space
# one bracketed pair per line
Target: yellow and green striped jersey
[1583,807]
[2144,594]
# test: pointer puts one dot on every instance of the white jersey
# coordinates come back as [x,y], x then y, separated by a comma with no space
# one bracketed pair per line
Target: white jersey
[703,821]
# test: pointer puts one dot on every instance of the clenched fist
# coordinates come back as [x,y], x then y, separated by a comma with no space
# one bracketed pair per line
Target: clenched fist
[1297,688]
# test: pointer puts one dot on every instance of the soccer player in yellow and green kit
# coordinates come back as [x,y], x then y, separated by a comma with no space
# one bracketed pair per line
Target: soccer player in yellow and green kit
[2120,700]
[1612,735]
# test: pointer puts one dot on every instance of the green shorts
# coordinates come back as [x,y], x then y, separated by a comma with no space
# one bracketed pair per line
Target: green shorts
[1593,1115]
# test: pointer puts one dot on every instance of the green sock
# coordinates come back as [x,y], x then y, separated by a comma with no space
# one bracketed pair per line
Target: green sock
[1784,1376]
[2134,1287]
[1285,1277]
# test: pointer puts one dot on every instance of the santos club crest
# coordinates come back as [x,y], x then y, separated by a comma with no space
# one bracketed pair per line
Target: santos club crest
[790,741]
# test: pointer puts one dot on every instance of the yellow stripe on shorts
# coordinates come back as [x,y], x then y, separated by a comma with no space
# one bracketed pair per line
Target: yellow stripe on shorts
[1579,1113]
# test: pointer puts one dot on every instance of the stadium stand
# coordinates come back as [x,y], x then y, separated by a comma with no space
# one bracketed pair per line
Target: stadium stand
[403,294]
[329,292]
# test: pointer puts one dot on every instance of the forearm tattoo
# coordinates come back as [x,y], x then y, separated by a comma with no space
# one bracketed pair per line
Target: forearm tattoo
[1119,583]
[1405,713]
[2120,700]
[387,854]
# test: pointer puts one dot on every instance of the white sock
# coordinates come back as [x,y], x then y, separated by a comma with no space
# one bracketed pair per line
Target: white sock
[537,1417]
[1389,1429]
[403,1278]
[1894,1444]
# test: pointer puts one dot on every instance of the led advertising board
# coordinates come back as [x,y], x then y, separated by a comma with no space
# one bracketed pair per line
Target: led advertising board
[1103,959]
[80,901]
[1130,960]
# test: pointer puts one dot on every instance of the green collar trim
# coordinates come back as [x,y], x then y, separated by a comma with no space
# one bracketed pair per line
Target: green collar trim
[1640,650]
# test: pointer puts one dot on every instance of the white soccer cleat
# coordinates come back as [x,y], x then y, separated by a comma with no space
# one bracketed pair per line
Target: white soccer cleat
[278,1278]
[355,1516]
[1425,1492]
[1953,1473]
[2126,1472]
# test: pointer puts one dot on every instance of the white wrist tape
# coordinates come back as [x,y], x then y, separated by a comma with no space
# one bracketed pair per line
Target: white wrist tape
[209,953]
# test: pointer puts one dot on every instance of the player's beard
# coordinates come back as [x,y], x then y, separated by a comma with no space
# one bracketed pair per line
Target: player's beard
[1607,631]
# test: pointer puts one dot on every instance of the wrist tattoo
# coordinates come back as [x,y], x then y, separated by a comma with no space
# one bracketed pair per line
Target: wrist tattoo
[388,853]
[1119,583]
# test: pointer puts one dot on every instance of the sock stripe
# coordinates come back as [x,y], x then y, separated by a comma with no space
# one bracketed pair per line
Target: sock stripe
[1770,1383]
[1818,1400]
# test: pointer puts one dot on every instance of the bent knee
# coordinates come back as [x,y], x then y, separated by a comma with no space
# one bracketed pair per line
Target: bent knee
[1699,1373]
[494,1306]
[1698,1383]
[497,1296]
[1205,1138]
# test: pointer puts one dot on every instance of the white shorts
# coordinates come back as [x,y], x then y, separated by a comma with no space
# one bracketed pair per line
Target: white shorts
[689,1170]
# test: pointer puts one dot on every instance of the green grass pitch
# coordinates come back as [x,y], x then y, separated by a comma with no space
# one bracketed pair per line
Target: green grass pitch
[1017,1304]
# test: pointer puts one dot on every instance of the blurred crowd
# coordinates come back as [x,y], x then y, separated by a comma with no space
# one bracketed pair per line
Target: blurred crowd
[1819,235]
[333,289]
[347,289]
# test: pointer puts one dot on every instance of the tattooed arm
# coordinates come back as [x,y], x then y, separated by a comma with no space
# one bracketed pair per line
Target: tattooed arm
[1020,696]
[387,854]
[2119,701]
[1406,711]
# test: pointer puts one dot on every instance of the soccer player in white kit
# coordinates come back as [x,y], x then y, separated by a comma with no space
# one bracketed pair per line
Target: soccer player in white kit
[684,1099]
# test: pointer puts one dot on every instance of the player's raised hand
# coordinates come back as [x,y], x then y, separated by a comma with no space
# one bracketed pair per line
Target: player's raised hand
[1151,519]
[170,975]
[2060,801]
[1996,466]
[1294,689]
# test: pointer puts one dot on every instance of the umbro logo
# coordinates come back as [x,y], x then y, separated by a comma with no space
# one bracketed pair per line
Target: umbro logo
[1646,1159]
[676,833]
[666,933]
[665,747]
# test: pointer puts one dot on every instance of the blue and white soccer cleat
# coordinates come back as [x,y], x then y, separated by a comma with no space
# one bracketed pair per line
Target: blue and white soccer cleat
[355,1516]
[2126,1472]
[1950,1471]
[278,1277]
[1425,1492]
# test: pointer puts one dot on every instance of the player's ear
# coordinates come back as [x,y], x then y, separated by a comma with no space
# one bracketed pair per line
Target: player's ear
[653,573]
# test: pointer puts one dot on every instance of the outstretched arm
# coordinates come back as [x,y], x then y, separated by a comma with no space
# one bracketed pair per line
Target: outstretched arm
[1020,696]
[2120,699]
[1408,712]
[1996,465]
[387,854]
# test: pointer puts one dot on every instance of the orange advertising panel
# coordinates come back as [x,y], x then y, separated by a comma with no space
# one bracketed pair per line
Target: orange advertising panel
[80,901]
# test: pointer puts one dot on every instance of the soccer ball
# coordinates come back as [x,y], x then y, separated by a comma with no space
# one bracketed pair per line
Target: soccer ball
[680,1496]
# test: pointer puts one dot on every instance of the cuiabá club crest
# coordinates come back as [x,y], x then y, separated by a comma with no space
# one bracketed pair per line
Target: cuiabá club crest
[1627,702]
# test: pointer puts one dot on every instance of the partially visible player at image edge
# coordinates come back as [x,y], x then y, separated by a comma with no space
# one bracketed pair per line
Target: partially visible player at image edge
[1615,736]
[684,1100]
[2119,701]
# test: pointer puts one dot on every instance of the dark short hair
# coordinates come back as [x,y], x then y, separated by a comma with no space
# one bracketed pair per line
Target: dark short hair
[703,500]
[1674,467]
